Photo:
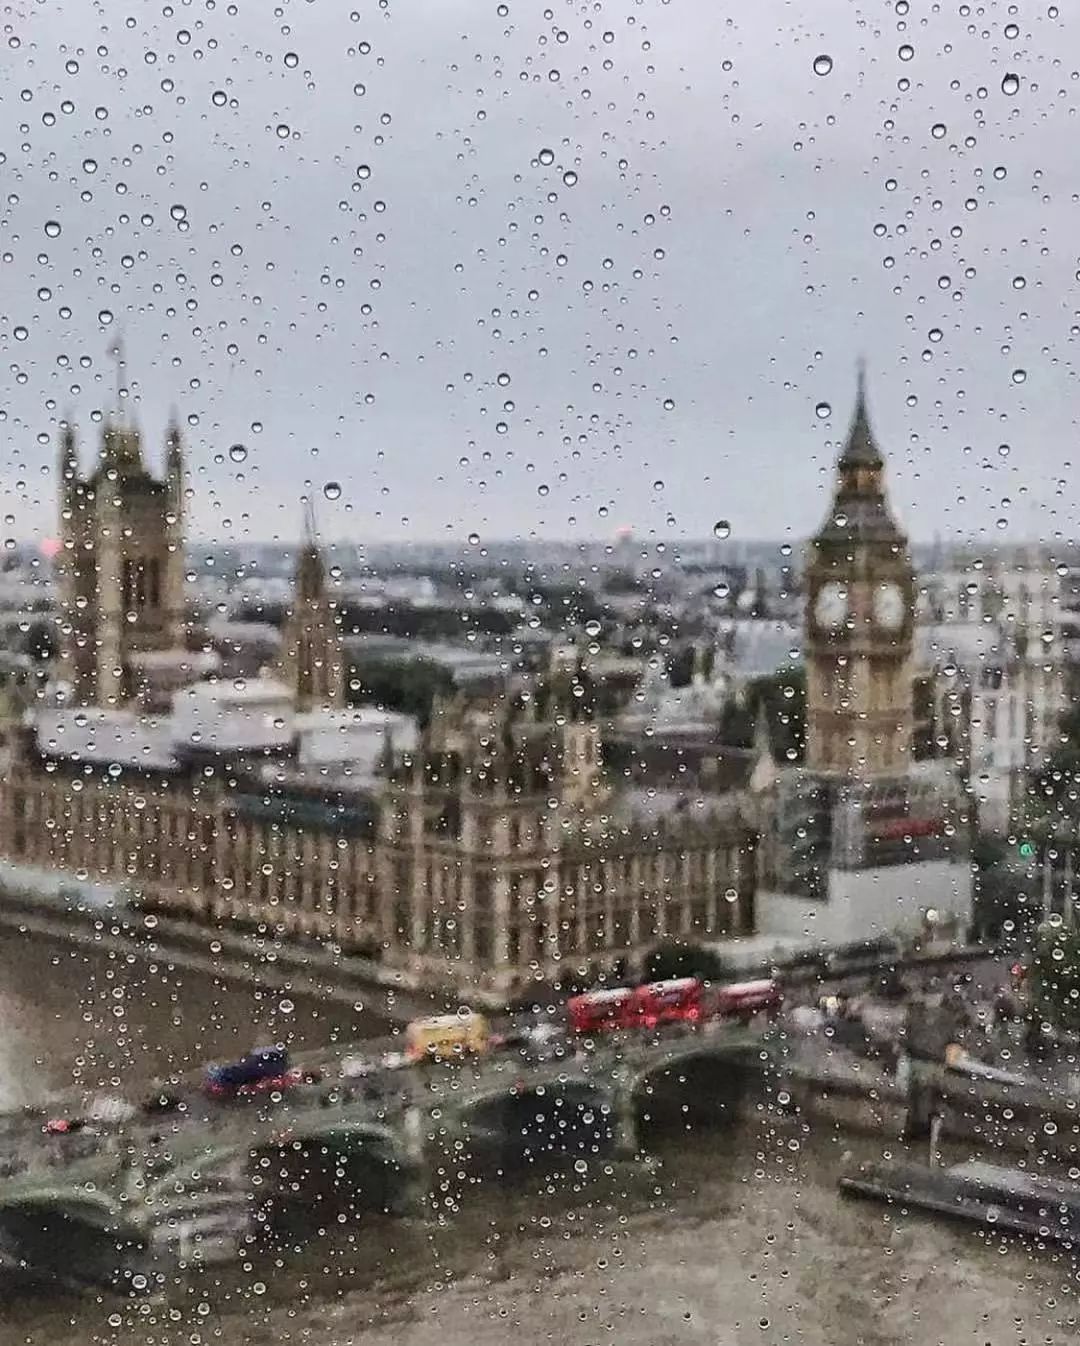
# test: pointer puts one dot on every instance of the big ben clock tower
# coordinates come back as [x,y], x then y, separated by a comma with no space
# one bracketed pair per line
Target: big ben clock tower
[860,606]
[861,841]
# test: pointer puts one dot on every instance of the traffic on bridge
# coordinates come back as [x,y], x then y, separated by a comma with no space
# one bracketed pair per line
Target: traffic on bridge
[179,1169]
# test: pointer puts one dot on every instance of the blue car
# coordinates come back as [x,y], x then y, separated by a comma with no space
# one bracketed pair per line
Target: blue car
[261,1069]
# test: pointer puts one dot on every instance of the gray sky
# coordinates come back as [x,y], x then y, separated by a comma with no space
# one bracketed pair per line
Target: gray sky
[740,228]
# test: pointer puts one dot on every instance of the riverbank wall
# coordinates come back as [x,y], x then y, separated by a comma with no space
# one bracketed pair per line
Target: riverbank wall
[97,919]
[1026,1119]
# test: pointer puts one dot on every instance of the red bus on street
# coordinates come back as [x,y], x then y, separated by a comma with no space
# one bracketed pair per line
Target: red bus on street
[599,1011]
[678,1000]
[744,999]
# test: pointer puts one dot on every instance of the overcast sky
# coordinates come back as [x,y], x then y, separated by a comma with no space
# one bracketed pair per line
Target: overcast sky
[516,270]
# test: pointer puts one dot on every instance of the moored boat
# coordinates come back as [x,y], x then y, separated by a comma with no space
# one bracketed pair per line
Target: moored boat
[990,1195]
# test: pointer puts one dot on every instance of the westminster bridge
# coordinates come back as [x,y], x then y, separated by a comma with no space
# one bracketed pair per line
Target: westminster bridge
[151,1193]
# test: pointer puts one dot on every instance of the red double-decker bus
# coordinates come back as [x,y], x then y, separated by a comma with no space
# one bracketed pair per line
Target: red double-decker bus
[599,1011]
[678,1000]
[744,999]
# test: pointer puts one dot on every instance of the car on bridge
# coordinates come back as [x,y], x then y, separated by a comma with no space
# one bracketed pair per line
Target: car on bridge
[260,1071]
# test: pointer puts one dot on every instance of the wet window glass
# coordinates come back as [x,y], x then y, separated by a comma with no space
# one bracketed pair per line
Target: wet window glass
[540,754]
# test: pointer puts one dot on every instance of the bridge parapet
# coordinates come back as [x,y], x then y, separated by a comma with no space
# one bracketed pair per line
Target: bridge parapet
[197,1177]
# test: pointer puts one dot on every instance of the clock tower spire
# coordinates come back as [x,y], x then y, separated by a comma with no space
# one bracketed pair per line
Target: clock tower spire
[860,589]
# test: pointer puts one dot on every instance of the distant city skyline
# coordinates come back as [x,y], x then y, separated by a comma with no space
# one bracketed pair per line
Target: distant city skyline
[506,274]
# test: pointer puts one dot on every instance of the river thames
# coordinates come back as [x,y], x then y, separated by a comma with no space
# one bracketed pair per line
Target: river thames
[734,1236]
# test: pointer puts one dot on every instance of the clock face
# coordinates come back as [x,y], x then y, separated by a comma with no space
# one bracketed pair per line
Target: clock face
[889,606]
[831,605]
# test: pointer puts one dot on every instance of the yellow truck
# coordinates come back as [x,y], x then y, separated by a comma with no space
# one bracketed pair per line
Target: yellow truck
[447,1037]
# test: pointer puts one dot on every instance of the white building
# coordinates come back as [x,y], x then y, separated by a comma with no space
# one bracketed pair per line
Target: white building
[990,636]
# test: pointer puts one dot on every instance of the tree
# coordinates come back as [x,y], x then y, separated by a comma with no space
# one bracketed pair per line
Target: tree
[783,697]
[39,642]
[409,686]
[1007,898]
[1054,978]
[685,960]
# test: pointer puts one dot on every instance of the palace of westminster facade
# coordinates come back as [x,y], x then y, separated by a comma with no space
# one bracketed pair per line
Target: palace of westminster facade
[490,854]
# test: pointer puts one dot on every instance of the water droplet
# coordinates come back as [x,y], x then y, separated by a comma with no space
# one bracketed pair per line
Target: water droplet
[721,528]
[1003,523]
[906,52]
[1010,84]
[1019,376]
[238,453]
[332,490]
[219,98]
[570,178]
[89,165]
[292,60]
[546,157]
[938,130]
[474,539]
[592,627]
[363,171]
[669,404]
[286,1006]
[1012,30]
[502,380]
[1018,282]
[822,64]
[823,411]
[52,228]
[20,333]
[283,131]
[178,212]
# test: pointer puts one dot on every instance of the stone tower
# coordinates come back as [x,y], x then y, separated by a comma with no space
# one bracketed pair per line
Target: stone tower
[312,659]
[120,569]
[497,785]
[860,599]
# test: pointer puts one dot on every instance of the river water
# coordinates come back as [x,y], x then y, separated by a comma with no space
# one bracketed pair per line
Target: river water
[734,1237]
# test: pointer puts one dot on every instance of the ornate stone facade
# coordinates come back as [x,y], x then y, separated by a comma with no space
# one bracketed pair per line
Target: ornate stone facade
[120,569]
[487,860]
[859,619]
[312,659]
[488,857]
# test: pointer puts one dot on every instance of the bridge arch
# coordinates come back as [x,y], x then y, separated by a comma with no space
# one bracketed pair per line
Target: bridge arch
[317,1172]
[695,1082]
[74,1237]
[536,1122]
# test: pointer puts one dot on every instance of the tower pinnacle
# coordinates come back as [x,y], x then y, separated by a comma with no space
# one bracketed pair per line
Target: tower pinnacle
[116,352]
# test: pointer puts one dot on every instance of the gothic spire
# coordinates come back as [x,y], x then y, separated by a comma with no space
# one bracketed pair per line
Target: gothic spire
[860,507]
[310,527]
[860,448]
[763,772]
[116,352]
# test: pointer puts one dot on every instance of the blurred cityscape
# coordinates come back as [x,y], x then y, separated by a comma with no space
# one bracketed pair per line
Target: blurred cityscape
[490,766]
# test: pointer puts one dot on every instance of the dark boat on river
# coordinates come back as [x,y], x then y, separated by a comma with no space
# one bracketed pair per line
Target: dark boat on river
[988,1195]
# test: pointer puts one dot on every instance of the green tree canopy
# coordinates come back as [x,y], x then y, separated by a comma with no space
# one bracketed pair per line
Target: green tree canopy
[685,960]
[1054,978]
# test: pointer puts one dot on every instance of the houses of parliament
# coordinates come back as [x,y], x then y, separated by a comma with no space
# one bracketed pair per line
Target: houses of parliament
[483,851]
